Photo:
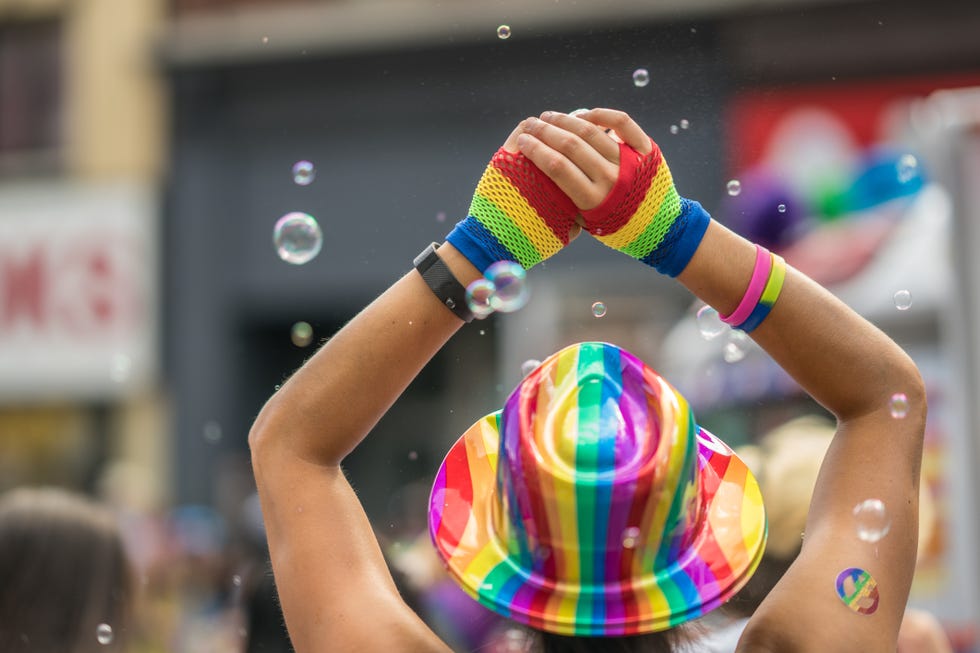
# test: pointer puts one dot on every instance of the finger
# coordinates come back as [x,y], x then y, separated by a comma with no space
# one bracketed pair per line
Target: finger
[621,123]
[581,153]
[587,131]
[511,143]
[569,178]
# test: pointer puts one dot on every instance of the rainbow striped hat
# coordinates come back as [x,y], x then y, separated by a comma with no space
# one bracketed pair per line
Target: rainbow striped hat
[593,504]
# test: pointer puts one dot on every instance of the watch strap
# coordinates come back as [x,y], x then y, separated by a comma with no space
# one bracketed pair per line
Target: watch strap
[441,281]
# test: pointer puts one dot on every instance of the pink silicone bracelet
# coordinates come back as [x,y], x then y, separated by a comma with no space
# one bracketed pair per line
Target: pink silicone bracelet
[763,265]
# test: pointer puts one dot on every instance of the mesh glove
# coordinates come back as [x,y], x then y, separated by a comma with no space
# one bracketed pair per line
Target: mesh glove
[517,214]
[644,217]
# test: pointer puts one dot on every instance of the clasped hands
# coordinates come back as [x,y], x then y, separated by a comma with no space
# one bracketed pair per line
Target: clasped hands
[560,173]
[581,153]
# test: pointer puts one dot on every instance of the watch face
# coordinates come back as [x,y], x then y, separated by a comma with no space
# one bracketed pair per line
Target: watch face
[441,281]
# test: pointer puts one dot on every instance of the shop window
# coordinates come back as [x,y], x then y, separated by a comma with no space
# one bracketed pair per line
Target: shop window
[31,93]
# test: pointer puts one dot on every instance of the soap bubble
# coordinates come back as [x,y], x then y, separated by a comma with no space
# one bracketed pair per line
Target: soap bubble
[898,406]
[674,129]
[641,77]
[236,580]
[297,237]
[903,300]
[479,296]
[598,309]
[734,187]
[781,208]
[510,291]
[301,334]
[104,634]
[413,455]
[907,167]
[529,366]
[734,349]
[515,640]
[872,520]
[265,39]
[685,123]
[631,536]
[212,431]
[121,366]
[303,173]
[709,323]
[503,32]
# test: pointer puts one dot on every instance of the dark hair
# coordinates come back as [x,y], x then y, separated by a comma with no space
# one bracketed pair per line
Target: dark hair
[666,641]
[65,574]
[749,598]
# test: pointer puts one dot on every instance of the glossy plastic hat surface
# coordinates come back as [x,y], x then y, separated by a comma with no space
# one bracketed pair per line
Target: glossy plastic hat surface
[593,504]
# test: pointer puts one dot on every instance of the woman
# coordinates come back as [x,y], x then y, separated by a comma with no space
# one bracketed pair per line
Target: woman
[67,584]
[553,176]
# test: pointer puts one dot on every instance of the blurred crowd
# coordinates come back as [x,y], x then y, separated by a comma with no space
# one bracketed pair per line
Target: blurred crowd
[132,575]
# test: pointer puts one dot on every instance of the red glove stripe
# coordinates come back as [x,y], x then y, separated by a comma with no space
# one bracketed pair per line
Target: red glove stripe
[553,207]
[636,173]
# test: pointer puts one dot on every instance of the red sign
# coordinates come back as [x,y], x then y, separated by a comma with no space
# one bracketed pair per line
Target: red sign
[77,291]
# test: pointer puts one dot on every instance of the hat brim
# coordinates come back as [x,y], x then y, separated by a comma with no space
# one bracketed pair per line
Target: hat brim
[721,559]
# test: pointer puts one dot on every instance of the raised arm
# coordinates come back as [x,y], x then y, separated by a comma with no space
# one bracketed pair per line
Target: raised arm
[853,370]
[335,589]
[839,358]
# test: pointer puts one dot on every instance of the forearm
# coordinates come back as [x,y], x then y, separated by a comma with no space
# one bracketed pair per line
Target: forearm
[331,403]
[330,571]
[837,356]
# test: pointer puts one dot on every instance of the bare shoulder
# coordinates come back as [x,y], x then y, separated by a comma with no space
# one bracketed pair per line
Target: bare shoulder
[921,632]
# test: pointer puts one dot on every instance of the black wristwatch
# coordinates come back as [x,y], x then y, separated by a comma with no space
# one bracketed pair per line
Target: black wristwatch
[440,279]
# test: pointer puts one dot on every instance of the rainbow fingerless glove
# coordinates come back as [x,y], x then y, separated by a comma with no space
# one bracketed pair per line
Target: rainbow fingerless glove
[517,214]
[644,217]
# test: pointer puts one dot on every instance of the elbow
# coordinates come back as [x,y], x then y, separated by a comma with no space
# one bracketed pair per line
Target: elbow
[909,383]
[282,432]
[893,389]
[261,436]
[257,435]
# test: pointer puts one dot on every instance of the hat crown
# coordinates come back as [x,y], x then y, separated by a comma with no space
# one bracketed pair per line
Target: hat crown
[597,469]
[592,504]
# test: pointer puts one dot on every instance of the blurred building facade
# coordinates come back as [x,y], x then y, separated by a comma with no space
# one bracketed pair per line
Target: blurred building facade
[82,148]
